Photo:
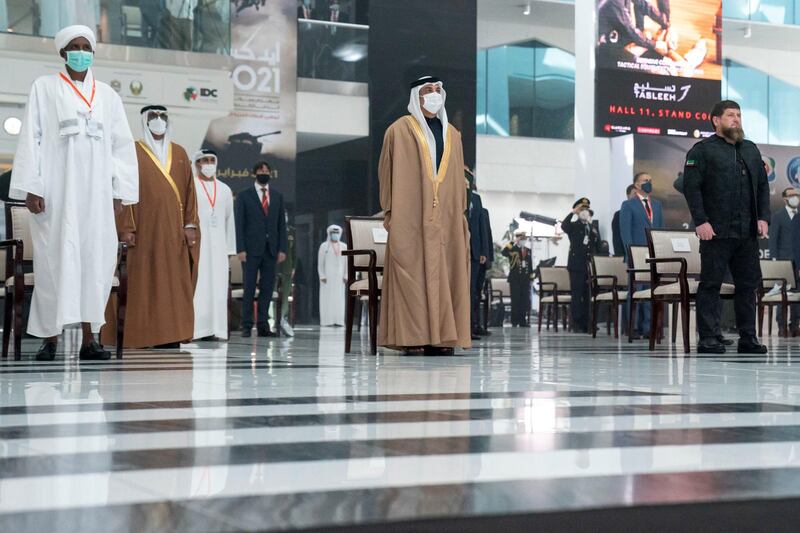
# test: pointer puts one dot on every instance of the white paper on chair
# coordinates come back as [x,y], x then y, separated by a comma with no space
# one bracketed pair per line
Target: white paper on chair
[776,289]
[681,244]
[380,236]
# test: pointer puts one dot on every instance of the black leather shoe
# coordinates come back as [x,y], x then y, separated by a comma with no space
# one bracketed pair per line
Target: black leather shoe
[725,342]
[264,331]
[94,352]
[246,332]
[476,336]
[439,351]
[751,345]
[168,346]
[711,346]
[483,332]
[47,352]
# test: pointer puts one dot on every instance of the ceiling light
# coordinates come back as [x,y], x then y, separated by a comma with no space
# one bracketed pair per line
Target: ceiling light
[12,125]
[527,10]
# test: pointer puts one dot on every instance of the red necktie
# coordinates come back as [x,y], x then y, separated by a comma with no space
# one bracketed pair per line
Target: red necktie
[265,200]
[647,209]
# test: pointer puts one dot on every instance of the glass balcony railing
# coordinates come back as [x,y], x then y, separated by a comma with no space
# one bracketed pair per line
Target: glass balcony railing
[190,25]
[332,50]
[770,11]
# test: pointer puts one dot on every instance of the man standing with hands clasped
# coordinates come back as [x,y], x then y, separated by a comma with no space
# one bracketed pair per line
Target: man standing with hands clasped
[261,243]
[726,187]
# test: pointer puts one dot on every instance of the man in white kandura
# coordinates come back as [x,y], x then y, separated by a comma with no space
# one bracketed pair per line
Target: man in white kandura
[215,209]
[75,167]
[332,278]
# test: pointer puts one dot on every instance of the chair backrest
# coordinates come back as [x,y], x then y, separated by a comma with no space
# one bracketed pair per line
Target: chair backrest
[637,259]
[360,236]
[675,243]
[557,275]
[237,278]
[19,228]
[781,269]
[609,266]
[500,284]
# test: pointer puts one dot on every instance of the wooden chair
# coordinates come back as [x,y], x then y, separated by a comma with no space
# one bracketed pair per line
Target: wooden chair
[638,275]
[18,283]
[779,273]
[236,291]
[608,278]
[674,272]
[554,291]
[365,262]
[501,293]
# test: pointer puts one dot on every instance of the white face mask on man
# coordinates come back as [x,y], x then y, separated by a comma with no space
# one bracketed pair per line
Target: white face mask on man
[585,216]
[208,170]
[793,201]
[158,126]
[432,102]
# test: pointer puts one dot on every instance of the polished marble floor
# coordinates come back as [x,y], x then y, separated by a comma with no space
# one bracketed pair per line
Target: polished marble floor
[525,432]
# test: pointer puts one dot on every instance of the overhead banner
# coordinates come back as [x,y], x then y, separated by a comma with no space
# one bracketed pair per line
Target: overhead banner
[664,160]
[263,122]
[658,67]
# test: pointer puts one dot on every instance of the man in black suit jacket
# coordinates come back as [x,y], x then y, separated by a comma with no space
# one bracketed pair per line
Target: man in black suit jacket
[477,257]
[781,244]
[488,252]
[261,242]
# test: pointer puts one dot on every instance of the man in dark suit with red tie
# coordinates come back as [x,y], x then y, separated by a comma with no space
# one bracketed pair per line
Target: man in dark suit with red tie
[637,214]
[261,242]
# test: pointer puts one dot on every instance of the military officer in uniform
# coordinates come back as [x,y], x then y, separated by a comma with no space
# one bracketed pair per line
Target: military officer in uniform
[726,187]
[519,278]
[584,240]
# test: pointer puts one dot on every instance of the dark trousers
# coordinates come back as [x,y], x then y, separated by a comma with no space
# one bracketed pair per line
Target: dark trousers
[794,316]
[579,307]
[477,306]
[474,292]
[520,300]
[264,265]
[716,256]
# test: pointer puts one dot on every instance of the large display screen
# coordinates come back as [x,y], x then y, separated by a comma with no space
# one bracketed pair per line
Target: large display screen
[658,68]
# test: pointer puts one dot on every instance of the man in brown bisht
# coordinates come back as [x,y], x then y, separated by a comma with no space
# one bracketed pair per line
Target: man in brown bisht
[425,307]
[163,238]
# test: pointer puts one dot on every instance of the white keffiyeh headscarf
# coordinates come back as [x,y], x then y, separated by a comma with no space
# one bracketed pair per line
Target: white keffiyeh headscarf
[159,148]
[416,111]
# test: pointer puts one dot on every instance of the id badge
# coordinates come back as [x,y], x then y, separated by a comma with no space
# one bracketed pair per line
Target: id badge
[94,129]
[586,240]
[214,220]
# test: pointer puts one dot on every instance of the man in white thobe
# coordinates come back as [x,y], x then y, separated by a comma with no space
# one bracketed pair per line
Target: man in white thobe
[332,278]
[75,166]
[215,210]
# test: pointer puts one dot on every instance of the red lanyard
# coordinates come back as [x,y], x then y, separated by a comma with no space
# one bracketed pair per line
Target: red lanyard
[80,94]
[210,201]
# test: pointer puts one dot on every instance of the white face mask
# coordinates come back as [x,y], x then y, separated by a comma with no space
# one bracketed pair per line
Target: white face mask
[335,237]
[158,126]
[432,102]
[793,201]
[209,170]
[585,216]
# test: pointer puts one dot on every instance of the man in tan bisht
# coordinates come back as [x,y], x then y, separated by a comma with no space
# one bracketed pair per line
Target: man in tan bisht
[162,232]
[425,307]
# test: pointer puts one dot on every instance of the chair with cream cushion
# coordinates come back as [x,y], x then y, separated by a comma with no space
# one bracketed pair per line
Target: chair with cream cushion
[19,283]
[365,260]
[554,292]
[608,278]
[675,270]
[780,274]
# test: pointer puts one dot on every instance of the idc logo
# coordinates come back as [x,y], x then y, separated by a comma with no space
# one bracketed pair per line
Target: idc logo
[193,93]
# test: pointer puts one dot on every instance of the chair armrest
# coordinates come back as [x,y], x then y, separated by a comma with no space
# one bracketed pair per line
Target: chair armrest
[783,281]
[664,260]
[8,243]
[373,256]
